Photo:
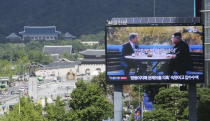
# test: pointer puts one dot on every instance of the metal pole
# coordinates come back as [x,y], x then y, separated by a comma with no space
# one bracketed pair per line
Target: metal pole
[19,97]
[154,8]
[129,107]
[140,103]
[194,8]
[23,72]
[192,92]
[118,103]
[206,72]
[19,105]
[192,102]
[139,97]
[142,110]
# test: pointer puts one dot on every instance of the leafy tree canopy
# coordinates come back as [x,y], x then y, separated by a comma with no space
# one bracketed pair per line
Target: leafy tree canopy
[28,112]
[159,115]
[55,112]
[88,103]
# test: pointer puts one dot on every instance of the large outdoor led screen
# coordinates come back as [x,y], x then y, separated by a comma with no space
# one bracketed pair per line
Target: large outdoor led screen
[154,54]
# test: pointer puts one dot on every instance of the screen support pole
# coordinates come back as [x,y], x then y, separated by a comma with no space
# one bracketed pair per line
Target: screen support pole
[192,102]
[192,92]
[118,102]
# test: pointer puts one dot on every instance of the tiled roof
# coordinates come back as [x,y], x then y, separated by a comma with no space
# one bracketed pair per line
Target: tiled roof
[97,53]
[59,65]
[67,34]
[62,64]
[13,35]
[39,30]
[93,61]
[57,49]
[55,57]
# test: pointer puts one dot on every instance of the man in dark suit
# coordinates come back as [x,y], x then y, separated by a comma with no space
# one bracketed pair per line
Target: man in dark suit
[129,49]
[181,59]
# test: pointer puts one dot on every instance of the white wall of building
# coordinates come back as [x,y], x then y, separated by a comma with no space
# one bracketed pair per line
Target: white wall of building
[90,42]
[40,37]
[54,73]
[92,67]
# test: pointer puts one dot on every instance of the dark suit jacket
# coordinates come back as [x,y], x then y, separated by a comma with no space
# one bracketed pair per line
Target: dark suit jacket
[183,60]
[127,49]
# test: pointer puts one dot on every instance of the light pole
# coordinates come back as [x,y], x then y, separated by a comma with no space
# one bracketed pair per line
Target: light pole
[19,90]
[139,97]
[154,8]
[141,103]
[23,73]
[25,67]
[19,105]
[19,97]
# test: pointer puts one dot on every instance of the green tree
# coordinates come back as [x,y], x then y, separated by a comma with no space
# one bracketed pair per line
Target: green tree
[152,90]
[203,104]
[46,59]
[21,66]
[18,53]
[159,115]
[93,37]
[38,56]
[100,81]
[34,45]
[56,112]
[28,112]
[88,103]
[68,56]
[6,68]
[77,46]
[12,51]
[173,101]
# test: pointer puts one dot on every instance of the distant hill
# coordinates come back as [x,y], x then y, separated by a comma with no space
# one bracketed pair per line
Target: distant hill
[82,16]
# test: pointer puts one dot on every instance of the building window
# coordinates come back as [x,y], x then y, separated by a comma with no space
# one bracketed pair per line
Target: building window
[51,37]
[48,37]
[99,70]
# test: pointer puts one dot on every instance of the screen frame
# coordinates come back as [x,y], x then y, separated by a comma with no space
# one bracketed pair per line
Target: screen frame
[128,81]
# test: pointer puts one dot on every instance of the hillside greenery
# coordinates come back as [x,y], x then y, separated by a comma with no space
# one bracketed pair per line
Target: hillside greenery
[16,56]
[82,17]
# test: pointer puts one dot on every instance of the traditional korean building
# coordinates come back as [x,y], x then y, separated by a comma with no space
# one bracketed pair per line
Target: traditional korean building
[13,36]
[40,33]
[57,50]
[62,70]
[91,65]
[93,62]
[68,36]
[91,43]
